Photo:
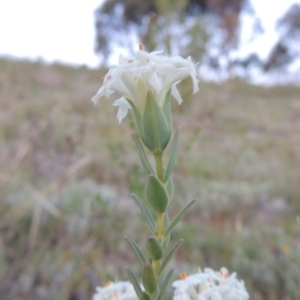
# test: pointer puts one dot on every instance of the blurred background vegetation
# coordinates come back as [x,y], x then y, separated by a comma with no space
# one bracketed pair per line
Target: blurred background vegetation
[208,30]
[67,168]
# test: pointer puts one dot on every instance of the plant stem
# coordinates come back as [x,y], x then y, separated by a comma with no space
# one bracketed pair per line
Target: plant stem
[160,175]
[160,225]
[159,167]
[155,265]
[159,216]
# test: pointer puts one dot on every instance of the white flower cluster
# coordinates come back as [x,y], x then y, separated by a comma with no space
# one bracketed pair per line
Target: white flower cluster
[206,285]
[210,285]
[122,290]
[135,77]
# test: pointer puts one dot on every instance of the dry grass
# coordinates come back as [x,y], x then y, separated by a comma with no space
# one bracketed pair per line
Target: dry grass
[67,168]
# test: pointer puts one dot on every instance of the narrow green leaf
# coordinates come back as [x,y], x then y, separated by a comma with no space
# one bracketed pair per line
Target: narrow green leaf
[167,109]
[173,155]
[138,118]
[155,126]
[142,154]
[156,194]
[170,189]
[137,251]
[154,296]
[166,241]
[146,212]
[145,296]
[164,285]
[179,217]
[169,256]
[135,283]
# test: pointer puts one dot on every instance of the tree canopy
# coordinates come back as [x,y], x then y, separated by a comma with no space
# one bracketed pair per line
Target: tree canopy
[205,29]
[287,49]
[172,24]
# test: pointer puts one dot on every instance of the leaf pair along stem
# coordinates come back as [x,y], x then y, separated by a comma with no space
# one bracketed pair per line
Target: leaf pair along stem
[157,223]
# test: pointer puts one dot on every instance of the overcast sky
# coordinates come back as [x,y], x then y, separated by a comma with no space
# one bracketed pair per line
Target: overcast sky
[54,30]
[63,30]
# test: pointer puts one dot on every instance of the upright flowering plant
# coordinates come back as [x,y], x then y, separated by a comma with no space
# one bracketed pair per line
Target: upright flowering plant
[146,84]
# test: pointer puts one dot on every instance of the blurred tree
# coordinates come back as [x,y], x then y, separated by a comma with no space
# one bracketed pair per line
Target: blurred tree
[279,57]
[184,27]
[287,48]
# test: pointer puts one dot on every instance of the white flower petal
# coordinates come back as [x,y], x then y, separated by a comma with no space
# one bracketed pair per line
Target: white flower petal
[130,82]
[123,108]
[165,68]
[136,76]
[175,93]
[216,296]
[154,81]
[193,75]
[212,285]
[175,77]
[122,290]
[95,99]
[178,61]
[145,57]
[182,296]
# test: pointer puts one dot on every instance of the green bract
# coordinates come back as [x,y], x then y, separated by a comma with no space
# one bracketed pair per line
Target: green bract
[156,130]
[154,248]
[149,279]
[157,195]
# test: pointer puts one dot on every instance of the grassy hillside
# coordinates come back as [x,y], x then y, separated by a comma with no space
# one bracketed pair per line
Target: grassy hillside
[67,169]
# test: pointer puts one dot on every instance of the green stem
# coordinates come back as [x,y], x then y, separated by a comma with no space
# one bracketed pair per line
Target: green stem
[159,216]
[155,265]
[160,175]
[160,225]
[159,166]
